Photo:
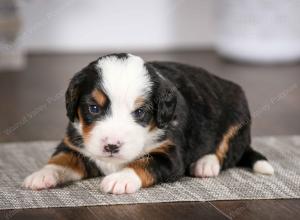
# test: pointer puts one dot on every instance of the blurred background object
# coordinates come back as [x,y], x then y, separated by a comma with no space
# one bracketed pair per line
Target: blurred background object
[258,30]
[57,38]
[11,56]
[246,30]
[116,25]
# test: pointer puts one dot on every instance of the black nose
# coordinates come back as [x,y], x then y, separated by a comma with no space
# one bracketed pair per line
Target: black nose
[111,148]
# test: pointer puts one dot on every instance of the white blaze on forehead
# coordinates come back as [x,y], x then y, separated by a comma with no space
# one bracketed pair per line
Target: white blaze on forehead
[124,80]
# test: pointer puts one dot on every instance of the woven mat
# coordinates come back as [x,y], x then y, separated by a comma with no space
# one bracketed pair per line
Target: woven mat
[17,160]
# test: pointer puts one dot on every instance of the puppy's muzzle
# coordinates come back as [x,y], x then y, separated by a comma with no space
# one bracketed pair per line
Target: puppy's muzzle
[112,148]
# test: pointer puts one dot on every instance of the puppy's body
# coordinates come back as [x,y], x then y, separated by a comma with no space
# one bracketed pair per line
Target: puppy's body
[215,110]
[140,124]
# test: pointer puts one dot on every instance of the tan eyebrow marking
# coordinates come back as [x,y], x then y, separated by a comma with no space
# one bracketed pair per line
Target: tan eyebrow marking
[139,102]
[100,97]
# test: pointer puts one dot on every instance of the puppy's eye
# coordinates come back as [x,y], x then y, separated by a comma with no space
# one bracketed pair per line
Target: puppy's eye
[94,109]
[139,113]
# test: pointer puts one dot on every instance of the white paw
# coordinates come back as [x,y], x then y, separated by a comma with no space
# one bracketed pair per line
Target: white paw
[207,166]
[263,167]
[124,181]
[45,178]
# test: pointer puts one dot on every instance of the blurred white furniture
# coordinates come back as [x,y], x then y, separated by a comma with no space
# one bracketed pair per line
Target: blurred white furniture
[258,31]
[11,56]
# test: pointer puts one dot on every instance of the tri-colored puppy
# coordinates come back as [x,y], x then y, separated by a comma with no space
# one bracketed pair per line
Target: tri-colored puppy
[142,123]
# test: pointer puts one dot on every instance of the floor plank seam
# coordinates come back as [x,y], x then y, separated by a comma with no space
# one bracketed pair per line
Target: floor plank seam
[93,213]
[220,211]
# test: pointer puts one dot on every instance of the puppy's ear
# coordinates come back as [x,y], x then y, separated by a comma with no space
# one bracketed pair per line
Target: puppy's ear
[73,94]
[166,101]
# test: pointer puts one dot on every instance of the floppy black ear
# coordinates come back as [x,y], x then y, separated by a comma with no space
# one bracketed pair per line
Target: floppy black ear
[73,94]
[166,104]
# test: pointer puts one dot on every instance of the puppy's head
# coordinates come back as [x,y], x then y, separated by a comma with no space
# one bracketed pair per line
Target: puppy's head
[120,106]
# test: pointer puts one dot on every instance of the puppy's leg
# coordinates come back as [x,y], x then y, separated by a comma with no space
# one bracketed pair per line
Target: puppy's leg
[64,166]
[211,164]
[256,161]
[161,165]
[207,166]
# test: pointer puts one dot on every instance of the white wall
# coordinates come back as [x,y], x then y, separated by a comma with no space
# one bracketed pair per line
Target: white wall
[85,25]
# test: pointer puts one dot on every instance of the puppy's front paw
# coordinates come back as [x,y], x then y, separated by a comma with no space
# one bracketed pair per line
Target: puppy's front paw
[125,181]
[45,178]
[207,166]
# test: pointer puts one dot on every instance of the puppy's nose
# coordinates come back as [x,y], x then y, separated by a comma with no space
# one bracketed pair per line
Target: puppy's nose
[111,148]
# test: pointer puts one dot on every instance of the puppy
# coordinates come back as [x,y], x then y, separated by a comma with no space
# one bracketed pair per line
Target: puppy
[142,123]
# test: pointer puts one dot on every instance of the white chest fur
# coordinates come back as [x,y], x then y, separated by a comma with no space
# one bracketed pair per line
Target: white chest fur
[108,167]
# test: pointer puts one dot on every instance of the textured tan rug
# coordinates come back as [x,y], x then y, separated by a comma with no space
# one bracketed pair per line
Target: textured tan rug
[17,160]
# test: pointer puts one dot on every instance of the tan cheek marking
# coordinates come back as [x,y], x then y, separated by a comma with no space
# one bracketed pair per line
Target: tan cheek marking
[152,125]
[224,145]
[86,129]
[70,161]
[100,97]
[163,148]
[140,167]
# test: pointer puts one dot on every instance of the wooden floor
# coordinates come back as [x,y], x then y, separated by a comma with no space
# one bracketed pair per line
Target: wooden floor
[32,108]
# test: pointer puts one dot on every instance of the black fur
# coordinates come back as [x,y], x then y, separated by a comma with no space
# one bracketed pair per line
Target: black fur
[214,105]
[165,102]
[81,84]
